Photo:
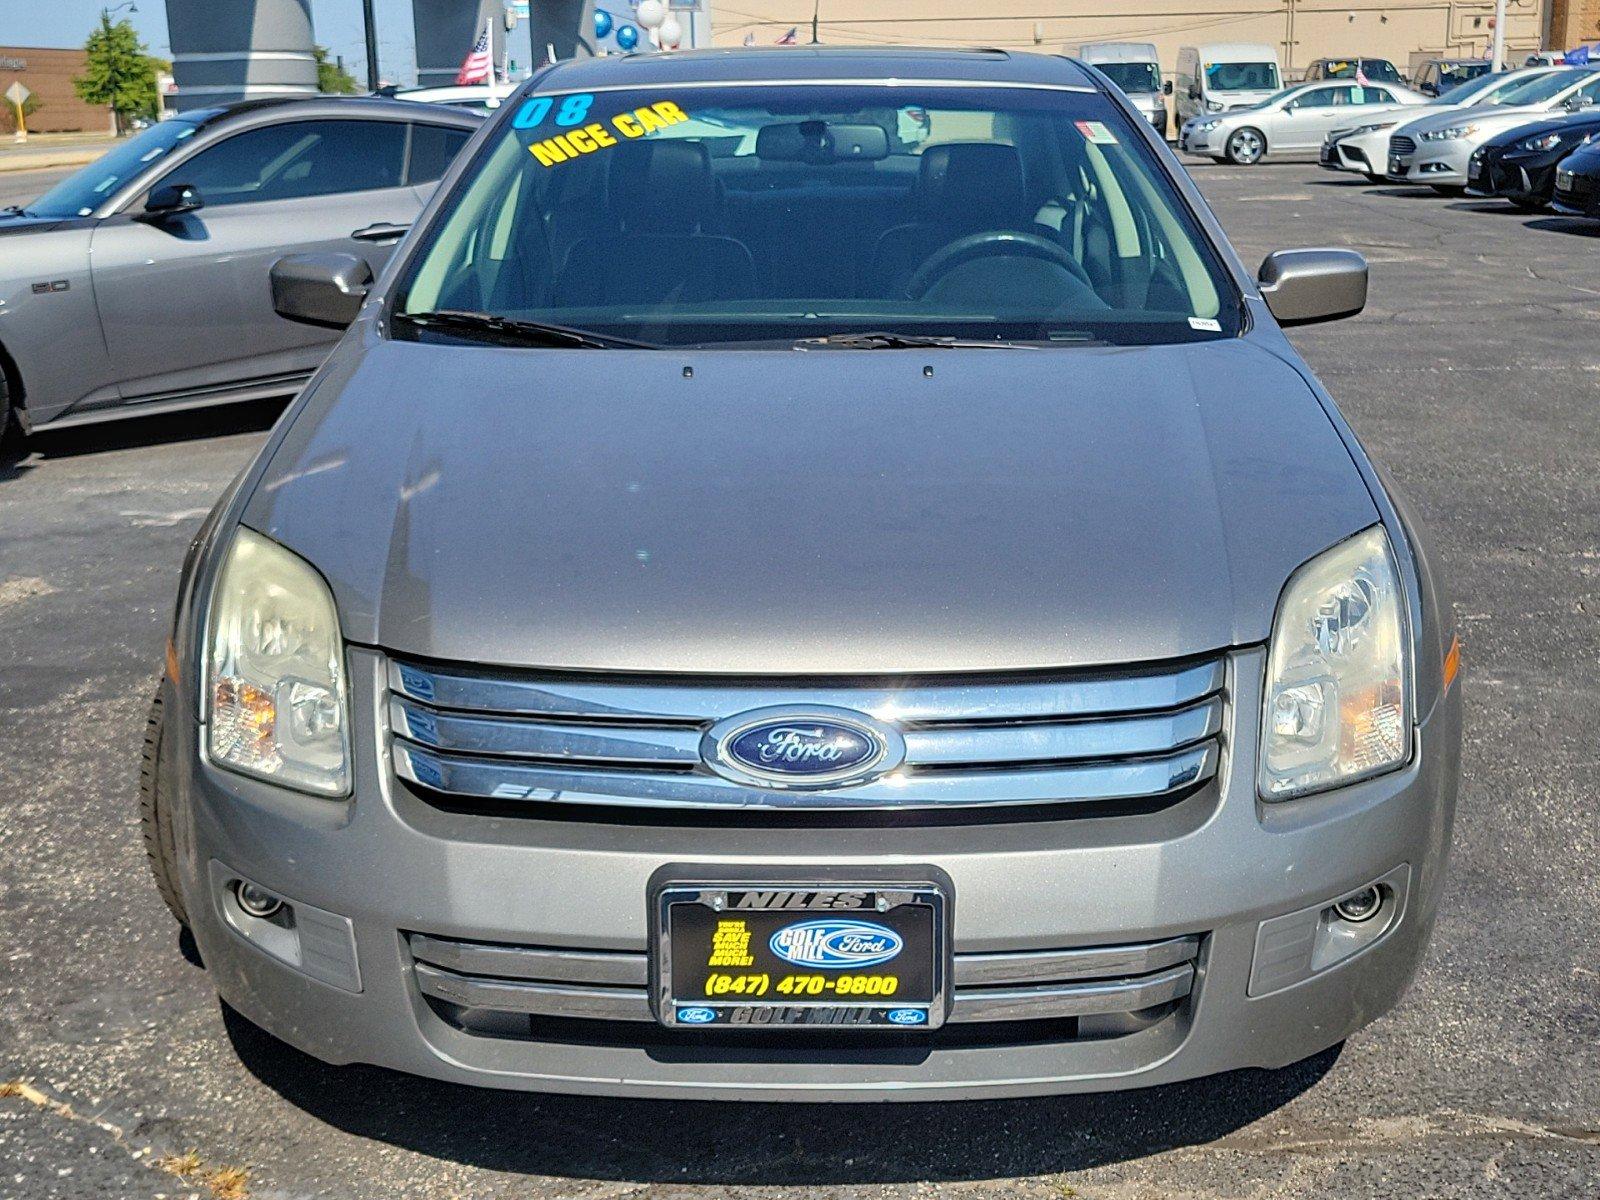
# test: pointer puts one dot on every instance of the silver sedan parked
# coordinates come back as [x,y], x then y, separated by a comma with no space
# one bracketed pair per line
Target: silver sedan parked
[1295,121]
[139,283]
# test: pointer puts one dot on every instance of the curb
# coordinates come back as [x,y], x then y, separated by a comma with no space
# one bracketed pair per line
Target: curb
[44,162]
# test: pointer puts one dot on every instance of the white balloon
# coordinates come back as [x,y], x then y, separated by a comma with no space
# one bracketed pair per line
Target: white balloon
[671,31]
[652,13]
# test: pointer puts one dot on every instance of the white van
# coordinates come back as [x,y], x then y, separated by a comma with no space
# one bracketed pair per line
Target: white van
[1135,68]
[1221,76]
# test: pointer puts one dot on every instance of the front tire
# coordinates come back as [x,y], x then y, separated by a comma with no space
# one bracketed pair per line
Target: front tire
[155,817]
[1246,146]
[11,433]
[1528,204]
[1448,189]
[1372,178]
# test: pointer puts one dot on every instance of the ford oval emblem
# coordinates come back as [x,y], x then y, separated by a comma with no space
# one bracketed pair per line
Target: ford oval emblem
[696,1016]
[830,944]
[907,1016]
[802,747]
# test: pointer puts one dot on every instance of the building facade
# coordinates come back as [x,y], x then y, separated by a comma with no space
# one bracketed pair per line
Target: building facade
[48,74]
[1403,31]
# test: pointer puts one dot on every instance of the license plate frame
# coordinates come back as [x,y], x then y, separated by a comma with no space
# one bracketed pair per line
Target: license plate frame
[704,929]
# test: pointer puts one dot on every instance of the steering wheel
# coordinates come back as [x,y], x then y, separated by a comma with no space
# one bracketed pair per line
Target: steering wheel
[992,243]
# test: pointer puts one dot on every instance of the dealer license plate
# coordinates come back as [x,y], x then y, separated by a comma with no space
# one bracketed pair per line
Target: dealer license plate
[791,954]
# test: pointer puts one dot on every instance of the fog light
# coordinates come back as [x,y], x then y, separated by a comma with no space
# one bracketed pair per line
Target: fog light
[256,901]
[1363,906]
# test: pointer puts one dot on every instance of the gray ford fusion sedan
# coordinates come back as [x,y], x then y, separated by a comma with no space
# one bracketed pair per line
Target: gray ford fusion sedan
[813,575]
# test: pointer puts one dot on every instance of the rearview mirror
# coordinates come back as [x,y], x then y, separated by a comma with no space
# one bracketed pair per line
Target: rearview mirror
[1303,286]
[170,199]
[320,289]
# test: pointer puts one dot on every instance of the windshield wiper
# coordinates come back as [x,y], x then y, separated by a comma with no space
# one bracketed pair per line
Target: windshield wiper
[519,332]
[907,341]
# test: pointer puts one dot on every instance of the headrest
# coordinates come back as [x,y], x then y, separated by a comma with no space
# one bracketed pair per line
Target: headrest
[664,186]
[976,184]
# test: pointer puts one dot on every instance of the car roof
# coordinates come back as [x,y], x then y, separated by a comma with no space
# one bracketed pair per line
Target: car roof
[326,106]
[779,64]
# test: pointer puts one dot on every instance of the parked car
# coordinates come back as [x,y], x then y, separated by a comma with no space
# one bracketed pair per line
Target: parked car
[1520,164]
[798,641]
[1223,76]
[1364,148]
[1577,187]
[1136,69]
[1370,70]
[1545,58]
[138,284]
[1438,75]
[1435,149]
[1295,121]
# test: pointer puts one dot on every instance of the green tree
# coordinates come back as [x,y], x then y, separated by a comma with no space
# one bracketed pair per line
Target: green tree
[331,76]
[119,73]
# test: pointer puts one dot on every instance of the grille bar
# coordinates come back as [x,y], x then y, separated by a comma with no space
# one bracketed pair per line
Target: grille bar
[667,702]
[630,746]
[506,780]
[610,986]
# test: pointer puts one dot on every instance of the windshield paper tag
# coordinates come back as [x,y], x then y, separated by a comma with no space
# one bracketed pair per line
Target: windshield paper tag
[1205,323]
[1096,132]
[597,135]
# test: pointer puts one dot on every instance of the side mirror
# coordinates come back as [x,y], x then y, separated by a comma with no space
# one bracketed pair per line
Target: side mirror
[1303,286]
[170,199]
[320,289]
[1194,93]
[1166,88]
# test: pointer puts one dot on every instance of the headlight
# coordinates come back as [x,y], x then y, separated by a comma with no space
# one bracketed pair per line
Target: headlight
[1213,105]
[1373,128]
[1209,124]
[1450,134]
[1548,141]
[275,687]
[1336,706]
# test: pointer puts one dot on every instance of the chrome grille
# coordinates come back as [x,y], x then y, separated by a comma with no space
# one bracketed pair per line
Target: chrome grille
[1401,145]
[974,741]
[1101,981]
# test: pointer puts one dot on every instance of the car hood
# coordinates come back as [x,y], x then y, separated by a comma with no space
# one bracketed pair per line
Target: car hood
[1574,123]
[1485,116]
[828,511]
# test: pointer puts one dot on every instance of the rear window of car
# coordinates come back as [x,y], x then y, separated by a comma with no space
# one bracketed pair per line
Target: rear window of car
[769,213]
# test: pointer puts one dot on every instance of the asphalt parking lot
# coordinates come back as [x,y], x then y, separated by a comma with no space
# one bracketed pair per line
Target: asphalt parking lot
[1474,375]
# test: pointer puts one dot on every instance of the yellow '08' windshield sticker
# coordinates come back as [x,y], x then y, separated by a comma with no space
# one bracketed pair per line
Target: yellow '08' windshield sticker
[588,137]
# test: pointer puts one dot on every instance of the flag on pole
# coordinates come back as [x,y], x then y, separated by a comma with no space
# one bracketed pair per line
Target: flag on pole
[478,66]
[791,38]
[1578,57]
[1361,78]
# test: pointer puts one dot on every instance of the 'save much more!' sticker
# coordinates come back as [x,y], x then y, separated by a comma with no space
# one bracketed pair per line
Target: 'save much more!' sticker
[582,136]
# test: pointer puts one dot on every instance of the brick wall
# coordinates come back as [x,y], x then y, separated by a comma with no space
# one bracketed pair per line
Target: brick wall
[48,75]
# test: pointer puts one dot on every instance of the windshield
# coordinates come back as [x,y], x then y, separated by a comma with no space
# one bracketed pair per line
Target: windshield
[1545,87]
[1377,70]
[1453,74]
[768,214]
[80,193]
[1242,77]
[1134,78]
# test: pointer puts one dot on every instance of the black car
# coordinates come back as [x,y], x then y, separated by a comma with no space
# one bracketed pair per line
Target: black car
[1520,164]
[1577,191]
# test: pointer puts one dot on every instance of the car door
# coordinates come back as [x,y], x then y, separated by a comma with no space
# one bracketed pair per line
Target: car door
[185,302]
[1308,118]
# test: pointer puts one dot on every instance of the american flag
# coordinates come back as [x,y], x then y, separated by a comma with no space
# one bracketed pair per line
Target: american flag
[478,66]
[790,38]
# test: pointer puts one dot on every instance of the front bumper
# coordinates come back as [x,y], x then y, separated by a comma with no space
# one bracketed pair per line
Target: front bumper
[1443,164]
[1196,141]
[1526,177]
[1213,866]
[1576,195]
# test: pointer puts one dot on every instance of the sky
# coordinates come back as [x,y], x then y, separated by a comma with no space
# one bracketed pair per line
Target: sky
[337,24]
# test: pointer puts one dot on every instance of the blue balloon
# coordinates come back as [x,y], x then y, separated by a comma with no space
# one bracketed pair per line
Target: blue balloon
[602,23]
[627,36]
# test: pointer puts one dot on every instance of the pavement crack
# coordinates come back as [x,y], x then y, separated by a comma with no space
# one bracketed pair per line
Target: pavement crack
[223,1182]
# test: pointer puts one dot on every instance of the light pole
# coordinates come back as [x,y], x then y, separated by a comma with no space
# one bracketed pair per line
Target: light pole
[1498,53]
[373,78]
